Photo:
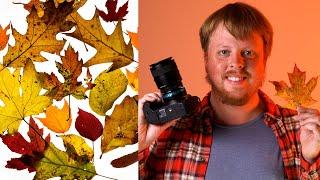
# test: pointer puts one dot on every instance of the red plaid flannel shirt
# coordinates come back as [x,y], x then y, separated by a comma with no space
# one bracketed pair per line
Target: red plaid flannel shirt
[182,151]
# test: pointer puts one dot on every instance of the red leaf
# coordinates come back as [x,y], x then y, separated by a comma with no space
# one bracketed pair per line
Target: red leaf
[88,125]
[112,14]
[31,151]
[125,160]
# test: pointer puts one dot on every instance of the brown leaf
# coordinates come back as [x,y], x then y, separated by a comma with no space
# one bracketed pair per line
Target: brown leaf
[37,5]
[121,127]
[41,34]
[300,92]
[125,161]
[112,15]
[70,69]
[110,48]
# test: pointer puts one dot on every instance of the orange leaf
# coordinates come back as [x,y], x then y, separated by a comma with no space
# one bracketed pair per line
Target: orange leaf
[3,37]
[300,92]
[57,120]
[133,79]
[134,39]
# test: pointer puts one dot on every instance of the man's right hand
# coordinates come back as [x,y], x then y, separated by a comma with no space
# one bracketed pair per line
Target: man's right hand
[149,132]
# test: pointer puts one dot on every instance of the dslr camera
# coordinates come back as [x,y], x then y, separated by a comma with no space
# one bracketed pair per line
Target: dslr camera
[176,103]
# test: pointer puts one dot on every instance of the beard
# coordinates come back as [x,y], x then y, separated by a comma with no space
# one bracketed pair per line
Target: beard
[226,98]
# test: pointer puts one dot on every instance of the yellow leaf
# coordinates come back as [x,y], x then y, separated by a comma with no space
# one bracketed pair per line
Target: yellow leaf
[77,147]
[57,120]
[16,105]
[133,79]
[121,127]
[299,93]
[40,36]
[108,87]
[110,48]
[134,39]
[57,163]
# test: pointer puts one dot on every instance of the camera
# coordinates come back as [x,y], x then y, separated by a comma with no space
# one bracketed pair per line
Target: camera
[176,103]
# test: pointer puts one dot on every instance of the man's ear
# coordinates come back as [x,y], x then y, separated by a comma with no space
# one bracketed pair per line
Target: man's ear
[205,58]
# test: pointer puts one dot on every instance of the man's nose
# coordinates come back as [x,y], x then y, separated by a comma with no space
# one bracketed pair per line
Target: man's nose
[237,62]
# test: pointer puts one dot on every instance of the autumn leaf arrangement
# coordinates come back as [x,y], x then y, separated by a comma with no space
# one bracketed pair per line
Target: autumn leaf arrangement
[25,92]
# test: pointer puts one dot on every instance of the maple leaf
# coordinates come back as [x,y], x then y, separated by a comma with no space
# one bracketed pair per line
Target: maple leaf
[41,34]
[299,94]
[3,37]
[110,48]
[57,163]
[134,39]
[88,125]
[16,105]
[121,127]
[108,87]
[70,69]
[112,14]
[133,79]
[31,151]
[57,120]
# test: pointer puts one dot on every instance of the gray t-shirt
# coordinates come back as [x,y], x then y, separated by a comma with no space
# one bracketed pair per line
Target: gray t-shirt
[249,151]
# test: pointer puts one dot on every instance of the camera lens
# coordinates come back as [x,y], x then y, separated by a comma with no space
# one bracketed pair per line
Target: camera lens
[167,77]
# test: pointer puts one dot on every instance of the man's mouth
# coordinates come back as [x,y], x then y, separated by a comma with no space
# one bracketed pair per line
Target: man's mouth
[236,78]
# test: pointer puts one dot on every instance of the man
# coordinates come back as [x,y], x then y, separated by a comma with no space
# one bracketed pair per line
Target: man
[237,131]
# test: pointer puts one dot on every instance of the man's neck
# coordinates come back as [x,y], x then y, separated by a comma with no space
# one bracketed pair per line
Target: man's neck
[236,115]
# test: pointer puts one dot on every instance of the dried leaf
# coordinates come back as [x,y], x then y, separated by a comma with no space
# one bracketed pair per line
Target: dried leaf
[134,39]
[3,37]
[299,93]
[108,87]
[57,163]
[57,120]
[31,151]
[70,69]
[88,125]
[133,79]
[40,36]
[37,5]
[17,106]
[77,148]
[125,161]
[112,14]
[110,48]
[121,127]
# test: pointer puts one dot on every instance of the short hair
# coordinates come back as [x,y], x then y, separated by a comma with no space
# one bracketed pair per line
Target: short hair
[241,20]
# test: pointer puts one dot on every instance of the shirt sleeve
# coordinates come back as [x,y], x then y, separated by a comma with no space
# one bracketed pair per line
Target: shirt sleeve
[310,170]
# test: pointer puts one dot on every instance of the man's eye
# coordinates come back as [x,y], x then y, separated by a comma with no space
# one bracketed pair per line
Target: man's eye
[248,54]
[224,53]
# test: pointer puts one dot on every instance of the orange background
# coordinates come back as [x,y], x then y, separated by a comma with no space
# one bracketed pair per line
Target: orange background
[170,28]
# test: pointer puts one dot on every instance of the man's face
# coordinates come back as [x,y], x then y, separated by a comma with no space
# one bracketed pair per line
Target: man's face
[235,68]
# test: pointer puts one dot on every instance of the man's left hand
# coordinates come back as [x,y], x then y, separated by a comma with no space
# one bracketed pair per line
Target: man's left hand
[309,132]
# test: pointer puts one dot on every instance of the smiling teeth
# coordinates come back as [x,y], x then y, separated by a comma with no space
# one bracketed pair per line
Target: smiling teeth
[235,79]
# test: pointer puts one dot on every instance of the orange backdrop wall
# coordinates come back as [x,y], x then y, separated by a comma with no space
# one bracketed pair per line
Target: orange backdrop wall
[170,28]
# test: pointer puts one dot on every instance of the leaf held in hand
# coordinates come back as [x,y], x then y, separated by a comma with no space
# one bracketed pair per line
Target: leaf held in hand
[31,151]
[300,92]
[108,87]
[88,125]
[57,120]
[17,106]
[112,14]
[121,127]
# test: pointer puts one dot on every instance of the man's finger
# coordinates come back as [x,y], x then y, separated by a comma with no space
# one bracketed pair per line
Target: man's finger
[302,109]
[314,120]
[312,127]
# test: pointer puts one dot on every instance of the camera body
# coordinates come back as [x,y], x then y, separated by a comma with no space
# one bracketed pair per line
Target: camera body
[176,102]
